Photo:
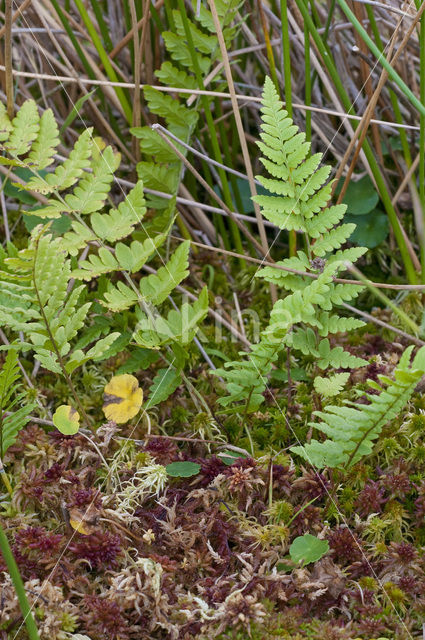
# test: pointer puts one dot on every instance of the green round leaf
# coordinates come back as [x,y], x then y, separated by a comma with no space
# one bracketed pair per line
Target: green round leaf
[308,548]
[361,197]
[371,229]
[66,420]
[183,469]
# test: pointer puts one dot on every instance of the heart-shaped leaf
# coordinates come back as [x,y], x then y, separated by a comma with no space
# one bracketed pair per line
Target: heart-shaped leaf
[308,548]
[66,420]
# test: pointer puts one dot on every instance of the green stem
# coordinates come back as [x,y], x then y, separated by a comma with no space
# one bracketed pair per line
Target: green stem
[211,126]
[104,59]
[19,586]
[421,170]
[381,59]
[376,172]
[288,90]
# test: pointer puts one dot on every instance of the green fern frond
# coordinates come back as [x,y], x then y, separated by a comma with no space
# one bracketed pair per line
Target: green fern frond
[332,385]
[157,287]
[5,125]
[353,429]
[174,77]
[45,145]
[10,425]
[91,192]
[66,174]
[26,125]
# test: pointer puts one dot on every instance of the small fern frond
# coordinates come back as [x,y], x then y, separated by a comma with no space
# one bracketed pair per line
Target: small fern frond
[44,147]
[66,174]
[352,430]
[156,287]
[26,125]
[332,385]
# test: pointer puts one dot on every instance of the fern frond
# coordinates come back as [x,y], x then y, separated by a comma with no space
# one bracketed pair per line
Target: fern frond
[334,239]
[156,287]
[180,326]
[44,147]
[119,223]
[91,192]
[5,125]
[174,77]
[10,425]
[332,385]
[119,298]
[352,430]
[67,174]
[26,125]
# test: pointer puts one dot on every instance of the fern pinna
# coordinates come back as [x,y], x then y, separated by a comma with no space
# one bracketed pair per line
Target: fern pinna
[40,295]
[306,316]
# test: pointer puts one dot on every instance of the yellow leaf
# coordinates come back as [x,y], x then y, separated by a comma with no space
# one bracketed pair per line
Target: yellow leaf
[78,525]
[123,398]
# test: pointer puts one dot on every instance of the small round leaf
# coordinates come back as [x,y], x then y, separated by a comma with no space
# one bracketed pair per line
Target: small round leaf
[361,196]
[183,469]
[66,420]
[308,548]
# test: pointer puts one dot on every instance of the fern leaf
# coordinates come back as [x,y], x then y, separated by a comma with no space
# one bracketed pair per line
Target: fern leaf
[46,143]
[91,192]
[79,237]
[156,287]
[97,264]
[337,358]
[120,223]
[132,258]
[333,239]
[167,107]
[325,220]
[51,274]
[331,385]
[337,324]
[13,424]
[352,430]
[204,43]
[179,51]
[180,326]
[26,125]
[171,76]
[119,297]
[5,125]
[159,177]
[67,174]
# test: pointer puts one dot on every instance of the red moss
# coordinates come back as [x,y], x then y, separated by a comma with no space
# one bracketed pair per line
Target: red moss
[397,484]
[163,450]
[370,499]
[345,545]
[84,498]
[104,619]
[100,549]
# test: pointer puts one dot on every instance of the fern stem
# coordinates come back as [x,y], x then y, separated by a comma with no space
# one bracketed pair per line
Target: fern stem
[19,586]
